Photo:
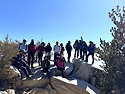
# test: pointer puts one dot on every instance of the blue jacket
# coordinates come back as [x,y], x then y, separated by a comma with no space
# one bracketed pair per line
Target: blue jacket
[91,48]
[81,44]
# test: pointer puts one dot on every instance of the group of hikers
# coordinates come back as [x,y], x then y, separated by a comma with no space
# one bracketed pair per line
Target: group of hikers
[36,53]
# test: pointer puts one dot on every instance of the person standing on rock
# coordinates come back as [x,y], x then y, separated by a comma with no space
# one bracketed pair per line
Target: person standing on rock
[57,50]
[36,53]
[48,50]
[69,49]
[85,48]
[31,51]
[76,47]
[91,50]
[81,47]
[22,46]
[62,49]
[40,50]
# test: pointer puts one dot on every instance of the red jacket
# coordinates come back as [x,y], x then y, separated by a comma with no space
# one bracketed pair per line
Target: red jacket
[31,48]
[61,63]
[40,49]
[62,50]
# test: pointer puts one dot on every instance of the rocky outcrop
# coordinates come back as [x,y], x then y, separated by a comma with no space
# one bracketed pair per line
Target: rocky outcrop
[84,71]
[76,83]
[51,89]
[80,83]
[21,84]
[11,73]
[68,69]
[37,91]
[62,87]
[57,86]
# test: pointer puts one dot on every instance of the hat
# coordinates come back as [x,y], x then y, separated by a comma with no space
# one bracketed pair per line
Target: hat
[24,40]
[69,42]
[43,43]
[49,43]
[90,42]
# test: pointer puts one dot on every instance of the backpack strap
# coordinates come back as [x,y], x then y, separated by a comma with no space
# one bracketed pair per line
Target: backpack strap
[26,47]
[19,46]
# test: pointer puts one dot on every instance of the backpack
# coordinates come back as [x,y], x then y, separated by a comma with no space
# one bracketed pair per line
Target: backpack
[85,47]
[40,49]
[76,45]
[19,45]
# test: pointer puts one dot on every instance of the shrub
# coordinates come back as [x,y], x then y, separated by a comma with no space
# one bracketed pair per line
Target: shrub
[112,80]
[8,50]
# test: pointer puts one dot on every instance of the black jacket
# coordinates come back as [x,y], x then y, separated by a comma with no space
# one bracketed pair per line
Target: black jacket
[68,48]
[48,48]
[19,61]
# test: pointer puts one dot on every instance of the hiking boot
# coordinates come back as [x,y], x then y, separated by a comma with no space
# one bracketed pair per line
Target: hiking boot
[23,78]
[28,78]
[44,73]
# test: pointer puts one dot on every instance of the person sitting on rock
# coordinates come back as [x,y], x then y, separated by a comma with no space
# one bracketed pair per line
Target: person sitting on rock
[21,64]
[46,65]
[61,64]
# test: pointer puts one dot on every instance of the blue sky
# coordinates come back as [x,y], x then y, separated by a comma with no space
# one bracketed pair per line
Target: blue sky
[57,20]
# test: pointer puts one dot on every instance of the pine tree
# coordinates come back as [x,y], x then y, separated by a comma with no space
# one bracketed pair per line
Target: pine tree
[112,80]
[7,52]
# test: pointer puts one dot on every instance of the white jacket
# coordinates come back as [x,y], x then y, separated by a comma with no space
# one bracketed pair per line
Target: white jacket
[57,49]
[22,46]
